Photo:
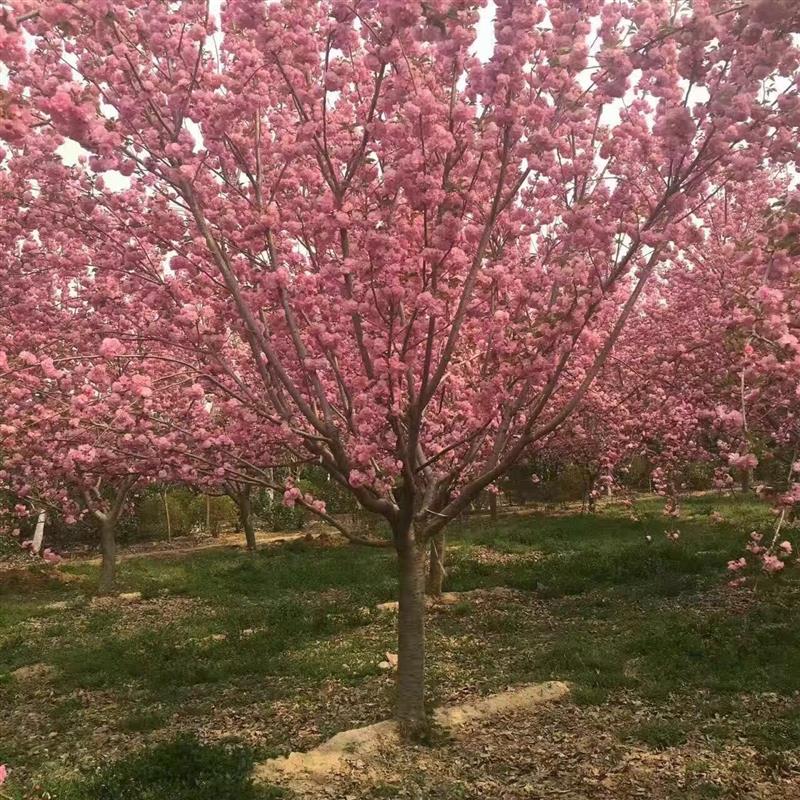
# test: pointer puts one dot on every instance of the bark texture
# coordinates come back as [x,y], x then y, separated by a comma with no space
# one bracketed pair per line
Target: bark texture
[411,640]
[246,519]
[436,568]
[108,548]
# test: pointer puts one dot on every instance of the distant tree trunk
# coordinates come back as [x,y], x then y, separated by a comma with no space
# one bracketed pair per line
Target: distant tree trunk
[246,517]
[108,548]
[38,534]
[436,570]
[747,479]
[270,491]
[492,505]
[108,520]
[208,516]
[165,498]
[411,636]
[588,503]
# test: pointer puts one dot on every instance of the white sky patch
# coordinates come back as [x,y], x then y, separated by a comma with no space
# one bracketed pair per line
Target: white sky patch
[70,153]
[196,133]
[483,46]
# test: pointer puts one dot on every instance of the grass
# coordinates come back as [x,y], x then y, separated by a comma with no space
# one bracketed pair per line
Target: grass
[181,769]
[281,650]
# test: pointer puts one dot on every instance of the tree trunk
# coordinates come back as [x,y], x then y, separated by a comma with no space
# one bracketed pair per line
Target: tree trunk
[38,534]
[411,639]
[108,547]
[166,514]
[208,517]
[246,519]
[492,505]
[591,498]
[270,492]
[747,476]
[436,571]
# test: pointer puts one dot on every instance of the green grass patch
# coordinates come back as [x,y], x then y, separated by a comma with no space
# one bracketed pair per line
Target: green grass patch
[658,734]
[182,769]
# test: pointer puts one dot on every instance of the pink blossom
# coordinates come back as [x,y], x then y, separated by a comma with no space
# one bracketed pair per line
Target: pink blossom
[291,496]
[110,348]
[772,564]
[358,478]
[51,557]
[318,506]
[744,461]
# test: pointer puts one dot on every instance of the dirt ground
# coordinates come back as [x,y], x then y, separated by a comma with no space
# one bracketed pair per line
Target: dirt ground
[561,751]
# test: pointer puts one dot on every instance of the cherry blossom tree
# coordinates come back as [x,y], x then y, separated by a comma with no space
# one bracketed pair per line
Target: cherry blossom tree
[427,257]
[751,262]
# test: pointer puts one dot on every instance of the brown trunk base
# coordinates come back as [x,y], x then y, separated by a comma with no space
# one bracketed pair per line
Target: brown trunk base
[108,566]
[411,715]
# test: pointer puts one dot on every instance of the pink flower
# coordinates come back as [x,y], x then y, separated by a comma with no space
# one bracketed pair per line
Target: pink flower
[785,548]
[109,348]
[3,773]
[318,506]
[745,461]
[50,557]
[772,564]
[737,564]
[291,496]
[357,478]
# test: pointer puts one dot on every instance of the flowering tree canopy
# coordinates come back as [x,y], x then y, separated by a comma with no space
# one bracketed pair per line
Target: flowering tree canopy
[425,258]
